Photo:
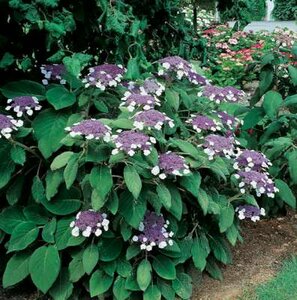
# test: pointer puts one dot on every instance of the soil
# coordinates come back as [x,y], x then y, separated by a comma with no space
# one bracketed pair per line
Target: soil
[266,244]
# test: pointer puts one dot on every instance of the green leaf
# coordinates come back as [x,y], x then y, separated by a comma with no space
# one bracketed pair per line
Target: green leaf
[59,97]
[172,98]
[166,289]
[144,274]
[292,158]
[124,268]
[221,250]
[36,214]
[49,129]
[110,249]
[254,116]
[22,236]
[11,217]
[101,181]
[14,192]
[76,269]
[176,208]
[187,148]
[133,72]
[53,180]
[164,267]
[183,286]
[122,123]
[132,210]
[200,250]
[61,160]
[291,100]
[70,171]
[272,102]
[62,207]
[44,267]
[151,293]
[38,191]
[213,269]
[119,290]
[49,230]
[62,288]
[226,218]
[191,183]
[164,195]
[293,74]
[23,88]
[18,155]
[285,193]
[132,251]
[16,269]
[6,60]
[132,180]
[90,258]
[203,200]
[100,283]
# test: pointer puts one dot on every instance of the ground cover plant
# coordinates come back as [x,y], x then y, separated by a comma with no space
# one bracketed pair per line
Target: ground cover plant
[114,186]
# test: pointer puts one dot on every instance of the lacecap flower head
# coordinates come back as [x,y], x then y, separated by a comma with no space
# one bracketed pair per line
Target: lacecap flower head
[251,160]
[133,101]
[228,120]
[250,212]
[221,94]
[90,129]
[200,123]
[131,141]
[103,76]
[23,104]
[53,72]
[170,164]
[8,124]
[151,119]
[154,232]
[219,145]
[88,222]
[260,182]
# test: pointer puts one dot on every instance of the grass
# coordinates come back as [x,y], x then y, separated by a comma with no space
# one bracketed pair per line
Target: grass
[282,287]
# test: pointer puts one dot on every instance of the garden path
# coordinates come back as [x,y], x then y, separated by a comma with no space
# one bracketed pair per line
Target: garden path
[266,244]
[269,25]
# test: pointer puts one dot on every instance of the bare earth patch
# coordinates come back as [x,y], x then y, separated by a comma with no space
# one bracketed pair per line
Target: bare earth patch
[266,244]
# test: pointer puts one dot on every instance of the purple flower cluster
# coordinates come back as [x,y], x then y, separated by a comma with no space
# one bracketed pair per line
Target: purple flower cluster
[154,232]
[53,72]
[8,124]
[250,212]
[151,119]
[133,101]
[104,76]
[251,160]
[91,129]
[88,222]
[130,141]
[260,182]
[228,120]
[200,123]
[23,104]
[180,68]
[219,145]
[220,94]
[170,164]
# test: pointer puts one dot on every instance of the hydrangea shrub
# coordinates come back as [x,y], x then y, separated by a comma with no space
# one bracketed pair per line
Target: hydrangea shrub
[114,187]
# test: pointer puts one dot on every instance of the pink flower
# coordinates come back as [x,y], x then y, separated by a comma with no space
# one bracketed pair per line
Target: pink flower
[233,41]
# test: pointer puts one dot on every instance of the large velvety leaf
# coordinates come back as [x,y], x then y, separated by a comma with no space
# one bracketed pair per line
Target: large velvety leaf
[62,288]
[16,269]
[183,286]
[23,88]
[23,235]
[132,180]
[164,267]
[272,102]
[285,193]
[253,118]
[90,258]
[152,292]
[10,217]
[144,274]
[59,97]
[44,267]
[110,249]
[99,283]
[200,250]
[119,290]
[49,128]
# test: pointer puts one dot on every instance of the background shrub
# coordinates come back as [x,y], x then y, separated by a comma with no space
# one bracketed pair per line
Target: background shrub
[285,10]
